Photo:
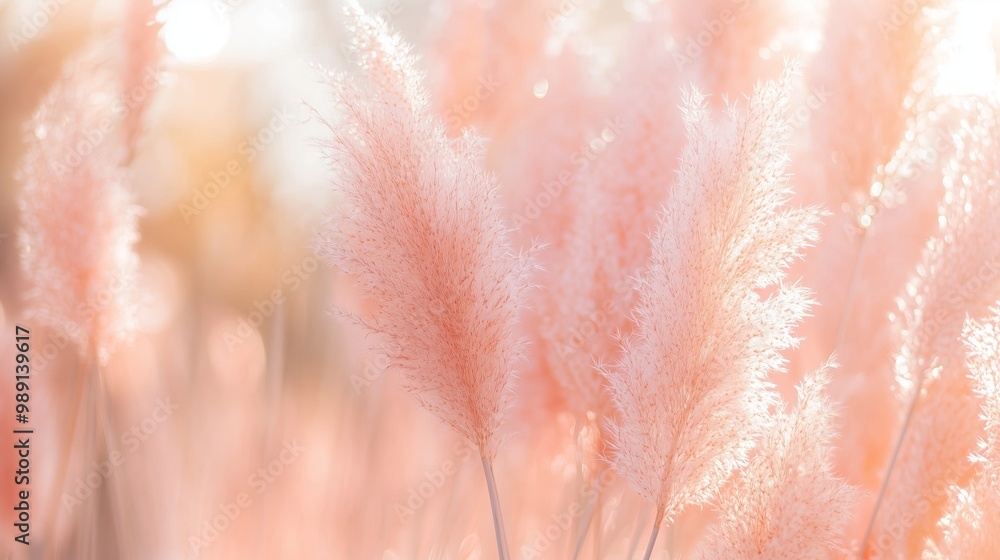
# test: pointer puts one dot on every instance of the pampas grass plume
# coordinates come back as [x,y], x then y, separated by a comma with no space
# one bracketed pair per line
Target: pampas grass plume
[420,230]
[788,503]
[78,222]
[690,387]
[972,523]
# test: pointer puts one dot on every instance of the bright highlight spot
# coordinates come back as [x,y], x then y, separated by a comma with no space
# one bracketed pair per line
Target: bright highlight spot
[541,89]
[971,65]
[195,31]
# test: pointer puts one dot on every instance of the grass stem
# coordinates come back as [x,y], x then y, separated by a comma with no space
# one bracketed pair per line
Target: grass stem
[892,463]
[491,485]
[852,286]
[656,530]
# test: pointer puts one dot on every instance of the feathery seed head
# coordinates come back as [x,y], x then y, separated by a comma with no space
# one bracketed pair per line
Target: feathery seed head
[691,384]
[420,230]
[78,222]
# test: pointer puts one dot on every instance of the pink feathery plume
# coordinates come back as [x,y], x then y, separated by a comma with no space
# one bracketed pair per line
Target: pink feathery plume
[596,234]
[972,524]
[690,387]
[78,221]
[561,135]
[420,229]
[616,194]
[77,237]
[892,101]
[142,52]
[860,175]
[788,503]
[881,97]
[721,42]
[543,201]
[957,279]
[490,58]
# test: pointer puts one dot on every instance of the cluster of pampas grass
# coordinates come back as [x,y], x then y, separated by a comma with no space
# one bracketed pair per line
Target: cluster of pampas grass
[671,279]
[422,232]
[699,316]
[690,326]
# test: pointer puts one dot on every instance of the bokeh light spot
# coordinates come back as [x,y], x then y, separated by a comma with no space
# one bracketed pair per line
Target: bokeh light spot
[195,31]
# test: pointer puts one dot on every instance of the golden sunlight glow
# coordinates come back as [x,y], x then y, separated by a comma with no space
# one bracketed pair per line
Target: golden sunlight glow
[970,67]
[195,31]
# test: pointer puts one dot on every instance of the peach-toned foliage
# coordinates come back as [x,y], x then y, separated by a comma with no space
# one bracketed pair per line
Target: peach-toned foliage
[949,286]
[883,96]
[78,221]
[720,41]
[826,190]
[487,60]
[140,68]
[788,503]
[420,229]
[972,524]
[691,386]
[616,197]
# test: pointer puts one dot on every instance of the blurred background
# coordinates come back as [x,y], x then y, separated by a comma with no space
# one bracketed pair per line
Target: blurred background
[213,392]
[252,424]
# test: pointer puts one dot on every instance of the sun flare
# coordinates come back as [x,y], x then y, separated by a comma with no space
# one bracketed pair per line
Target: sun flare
[971,66]
[195,31]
